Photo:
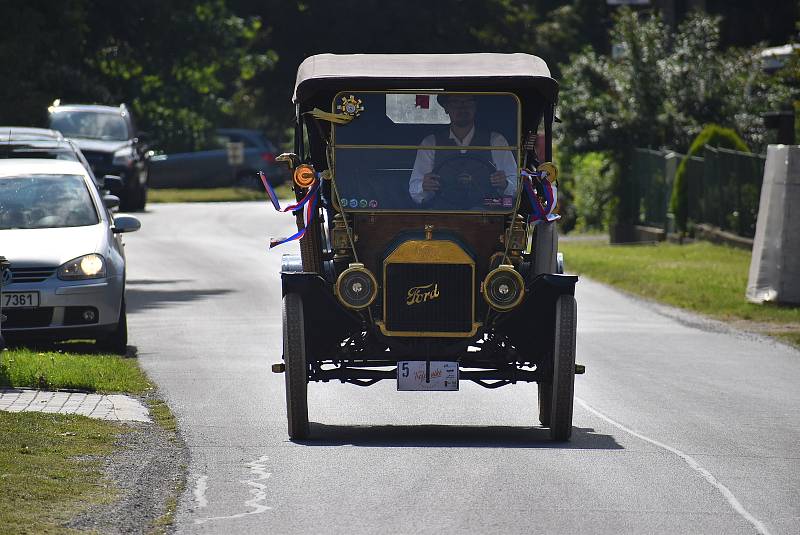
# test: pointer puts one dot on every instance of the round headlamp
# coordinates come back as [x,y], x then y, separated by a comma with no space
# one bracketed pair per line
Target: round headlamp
[304,176]
[356,287]
[503,288]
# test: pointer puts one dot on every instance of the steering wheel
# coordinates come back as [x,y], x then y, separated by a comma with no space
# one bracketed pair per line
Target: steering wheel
[464,181]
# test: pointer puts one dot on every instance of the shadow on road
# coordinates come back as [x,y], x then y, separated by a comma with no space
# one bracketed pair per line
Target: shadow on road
[150,282]
[454,436]
[137,298]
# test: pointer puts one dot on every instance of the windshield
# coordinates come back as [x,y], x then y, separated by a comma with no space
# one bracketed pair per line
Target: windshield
[445,151]
[45,201]
[91,125]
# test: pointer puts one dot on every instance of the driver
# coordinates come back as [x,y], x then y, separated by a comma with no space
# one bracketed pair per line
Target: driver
[424,183]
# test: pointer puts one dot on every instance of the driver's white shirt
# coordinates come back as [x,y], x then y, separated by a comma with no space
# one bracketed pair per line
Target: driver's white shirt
[503,160]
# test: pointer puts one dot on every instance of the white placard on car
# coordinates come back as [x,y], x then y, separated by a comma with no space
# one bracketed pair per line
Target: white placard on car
[417,375]
[20,299]
[235,152]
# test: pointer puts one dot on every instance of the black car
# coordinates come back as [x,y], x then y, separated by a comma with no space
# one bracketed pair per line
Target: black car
[108,138]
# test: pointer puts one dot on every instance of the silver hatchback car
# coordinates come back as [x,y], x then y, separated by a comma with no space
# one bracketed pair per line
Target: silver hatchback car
[67,275]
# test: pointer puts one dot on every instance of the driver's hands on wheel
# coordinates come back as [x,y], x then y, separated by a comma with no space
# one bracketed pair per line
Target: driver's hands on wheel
[430,182]
[498,179]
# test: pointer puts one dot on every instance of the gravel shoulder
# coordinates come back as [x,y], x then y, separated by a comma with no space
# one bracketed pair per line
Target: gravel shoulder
[148,472]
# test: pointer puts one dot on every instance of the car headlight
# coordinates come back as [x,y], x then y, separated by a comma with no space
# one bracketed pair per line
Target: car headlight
[503,288]
[356,287]
[123,157]
[90,266]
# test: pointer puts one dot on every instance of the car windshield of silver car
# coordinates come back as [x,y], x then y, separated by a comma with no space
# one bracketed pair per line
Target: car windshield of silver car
[45,201]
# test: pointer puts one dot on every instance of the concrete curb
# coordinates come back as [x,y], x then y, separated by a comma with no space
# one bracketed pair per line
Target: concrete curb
[116,407]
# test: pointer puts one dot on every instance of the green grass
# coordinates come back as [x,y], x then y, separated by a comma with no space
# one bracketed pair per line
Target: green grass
[216,194]
[50,469]
[702,277]
[161,414]
[52,370]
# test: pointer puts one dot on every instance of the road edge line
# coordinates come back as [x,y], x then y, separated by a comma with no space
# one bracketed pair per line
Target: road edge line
[693,464]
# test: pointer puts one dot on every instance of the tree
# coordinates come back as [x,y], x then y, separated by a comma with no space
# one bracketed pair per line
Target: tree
[659,93]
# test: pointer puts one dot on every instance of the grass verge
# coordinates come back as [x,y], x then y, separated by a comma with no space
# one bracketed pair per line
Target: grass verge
[216,194]
[161,414]
[53,370]
[702,277]
[50,469]
[51,465]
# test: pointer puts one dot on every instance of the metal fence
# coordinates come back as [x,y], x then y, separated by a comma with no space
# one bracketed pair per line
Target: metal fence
[724,187]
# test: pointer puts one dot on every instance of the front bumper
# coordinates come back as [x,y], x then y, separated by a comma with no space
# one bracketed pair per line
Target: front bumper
[62,308]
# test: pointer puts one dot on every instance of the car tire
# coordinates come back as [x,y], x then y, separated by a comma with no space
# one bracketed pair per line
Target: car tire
[545,403]
[117,341]
[141,198]
[296,374]
[563,387]
[134,197]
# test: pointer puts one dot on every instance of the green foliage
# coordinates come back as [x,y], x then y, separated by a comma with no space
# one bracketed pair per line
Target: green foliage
[182,66]
[660,92]
[592,178]
[713,136]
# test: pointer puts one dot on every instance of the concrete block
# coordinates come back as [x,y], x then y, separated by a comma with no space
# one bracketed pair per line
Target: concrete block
[775,263]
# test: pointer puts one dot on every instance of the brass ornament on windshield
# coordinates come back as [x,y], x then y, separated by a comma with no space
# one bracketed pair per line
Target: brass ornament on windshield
[351,106]
[550,170]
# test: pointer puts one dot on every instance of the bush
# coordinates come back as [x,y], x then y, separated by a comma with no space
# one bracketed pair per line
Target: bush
[712,135]
[593,176]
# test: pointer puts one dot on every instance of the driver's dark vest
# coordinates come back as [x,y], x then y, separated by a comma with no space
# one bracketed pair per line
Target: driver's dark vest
[482,138]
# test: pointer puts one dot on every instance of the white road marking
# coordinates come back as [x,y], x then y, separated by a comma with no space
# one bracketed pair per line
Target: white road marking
[693,464]
[200,489]
[259,492]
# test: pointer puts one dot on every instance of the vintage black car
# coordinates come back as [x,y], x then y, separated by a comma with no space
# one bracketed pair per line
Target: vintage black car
[428,233]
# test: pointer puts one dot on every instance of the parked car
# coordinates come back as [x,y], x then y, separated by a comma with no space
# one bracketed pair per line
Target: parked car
[67,275]
[27,133]
[108,137]
[210,168]
[20,142]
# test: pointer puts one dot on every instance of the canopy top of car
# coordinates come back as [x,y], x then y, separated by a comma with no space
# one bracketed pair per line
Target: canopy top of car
[487,71]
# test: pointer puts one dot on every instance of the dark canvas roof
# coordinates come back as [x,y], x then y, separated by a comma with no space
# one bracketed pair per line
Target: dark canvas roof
[500,71]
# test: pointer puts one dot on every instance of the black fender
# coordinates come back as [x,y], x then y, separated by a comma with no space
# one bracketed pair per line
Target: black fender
[327,322]
[531,326]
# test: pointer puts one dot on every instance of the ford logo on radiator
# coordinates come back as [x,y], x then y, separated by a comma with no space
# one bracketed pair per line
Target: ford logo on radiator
[421,294]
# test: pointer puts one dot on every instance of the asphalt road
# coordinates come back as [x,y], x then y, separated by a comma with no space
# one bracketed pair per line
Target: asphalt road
[681,425]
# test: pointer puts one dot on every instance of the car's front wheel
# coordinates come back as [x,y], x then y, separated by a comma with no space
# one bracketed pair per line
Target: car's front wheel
[294,355]
[117,340]
[563,387]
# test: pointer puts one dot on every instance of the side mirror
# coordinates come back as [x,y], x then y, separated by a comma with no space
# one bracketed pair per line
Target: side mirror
[110,201]
[290,159]
[113,183]
[125,223]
